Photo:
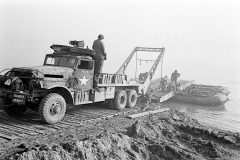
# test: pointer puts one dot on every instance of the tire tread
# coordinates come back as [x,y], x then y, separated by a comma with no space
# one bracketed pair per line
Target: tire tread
[117,99]
[130,93]
[43,110]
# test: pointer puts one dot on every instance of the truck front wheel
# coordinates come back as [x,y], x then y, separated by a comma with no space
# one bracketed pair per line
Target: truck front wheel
[52,108]
[120,100]
[131,98]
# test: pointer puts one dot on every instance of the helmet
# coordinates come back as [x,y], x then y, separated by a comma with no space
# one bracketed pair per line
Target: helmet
[100,36]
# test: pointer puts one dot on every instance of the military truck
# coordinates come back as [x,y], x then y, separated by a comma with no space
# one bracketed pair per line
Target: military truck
[66,77]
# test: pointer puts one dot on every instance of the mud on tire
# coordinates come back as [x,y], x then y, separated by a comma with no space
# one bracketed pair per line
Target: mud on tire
[120,100]
[52,108]
[131,98]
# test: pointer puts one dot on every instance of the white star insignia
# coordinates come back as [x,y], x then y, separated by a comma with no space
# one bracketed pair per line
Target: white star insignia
[84,81]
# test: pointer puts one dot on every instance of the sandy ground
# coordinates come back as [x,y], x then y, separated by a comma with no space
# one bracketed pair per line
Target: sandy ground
[166,135]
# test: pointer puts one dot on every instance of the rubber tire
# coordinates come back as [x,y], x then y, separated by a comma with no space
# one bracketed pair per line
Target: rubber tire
[44,108]
[131,98]
[120,100]
[110,103]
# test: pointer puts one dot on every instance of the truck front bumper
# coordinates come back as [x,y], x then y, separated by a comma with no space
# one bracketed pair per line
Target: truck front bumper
[14,97]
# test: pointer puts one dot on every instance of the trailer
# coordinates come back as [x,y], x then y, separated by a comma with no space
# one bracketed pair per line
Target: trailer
[67,77]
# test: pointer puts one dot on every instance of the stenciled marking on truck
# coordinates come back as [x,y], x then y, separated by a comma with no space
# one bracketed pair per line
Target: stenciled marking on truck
[112,78]
[18,100]
[18,96]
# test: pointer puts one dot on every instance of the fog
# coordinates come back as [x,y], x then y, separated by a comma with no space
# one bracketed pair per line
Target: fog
[205,32]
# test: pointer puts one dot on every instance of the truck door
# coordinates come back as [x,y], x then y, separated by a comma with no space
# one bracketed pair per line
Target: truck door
[84,73]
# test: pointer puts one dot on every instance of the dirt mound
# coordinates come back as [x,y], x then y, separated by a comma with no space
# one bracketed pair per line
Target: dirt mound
[167,135]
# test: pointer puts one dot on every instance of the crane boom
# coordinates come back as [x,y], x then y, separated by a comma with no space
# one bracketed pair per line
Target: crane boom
[122,69]
[151,72]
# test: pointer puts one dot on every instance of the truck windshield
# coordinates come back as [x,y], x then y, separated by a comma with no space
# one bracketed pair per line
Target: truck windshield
[60,61]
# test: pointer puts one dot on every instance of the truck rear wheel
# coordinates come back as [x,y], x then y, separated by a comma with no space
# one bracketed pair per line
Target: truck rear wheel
[131,98]
[120,100]
[52,108]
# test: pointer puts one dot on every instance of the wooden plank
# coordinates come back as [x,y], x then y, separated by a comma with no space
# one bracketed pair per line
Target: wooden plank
[17,129]
[8,137]
[172,93]
[147,113]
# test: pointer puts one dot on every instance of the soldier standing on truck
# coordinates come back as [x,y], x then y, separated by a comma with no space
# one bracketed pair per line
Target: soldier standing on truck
[100,56]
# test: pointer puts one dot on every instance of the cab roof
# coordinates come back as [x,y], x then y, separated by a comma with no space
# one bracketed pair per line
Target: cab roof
[68,55]
[73,51]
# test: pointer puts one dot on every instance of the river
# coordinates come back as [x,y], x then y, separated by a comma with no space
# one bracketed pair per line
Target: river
[213,69]
[223,73]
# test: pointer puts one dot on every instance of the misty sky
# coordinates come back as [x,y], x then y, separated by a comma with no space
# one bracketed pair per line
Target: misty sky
[190,30]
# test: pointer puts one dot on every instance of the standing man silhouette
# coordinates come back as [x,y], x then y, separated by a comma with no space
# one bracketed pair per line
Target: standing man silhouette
[174,78]
[100,56]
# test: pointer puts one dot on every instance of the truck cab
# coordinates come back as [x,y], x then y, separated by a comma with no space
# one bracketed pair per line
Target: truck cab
[82,70]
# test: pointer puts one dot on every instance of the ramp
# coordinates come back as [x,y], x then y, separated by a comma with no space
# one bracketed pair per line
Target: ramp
[164,96]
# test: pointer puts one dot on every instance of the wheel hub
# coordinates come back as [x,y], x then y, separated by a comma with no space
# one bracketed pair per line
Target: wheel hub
[55,108]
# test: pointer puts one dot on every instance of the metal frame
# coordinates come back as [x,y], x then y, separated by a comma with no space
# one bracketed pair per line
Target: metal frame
[151,72]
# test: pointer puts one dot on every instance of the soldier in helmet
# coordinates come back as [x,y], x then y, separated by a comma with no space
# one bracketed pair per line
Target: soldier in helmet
[100,56]
[174,78]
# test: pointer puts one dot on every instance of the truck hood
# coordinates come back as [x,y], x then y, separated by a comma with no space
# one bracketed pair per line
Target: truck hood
[48,71]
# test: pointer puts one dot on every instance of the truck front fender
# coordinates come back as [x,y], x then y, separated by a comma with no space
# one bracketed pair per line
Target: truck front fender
[64,91]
